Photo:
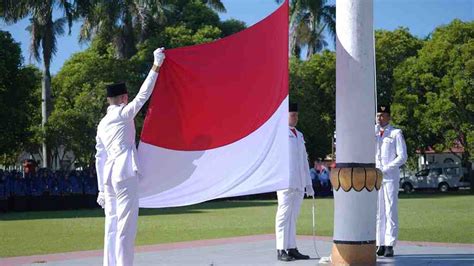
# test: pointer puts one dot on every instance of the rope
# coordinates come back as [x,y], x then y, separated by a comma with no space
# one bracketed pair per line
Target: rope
[314,228]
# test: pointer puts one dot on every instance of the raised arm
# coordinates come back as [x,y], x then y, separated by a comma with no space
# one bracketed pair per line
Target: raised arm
[132,108]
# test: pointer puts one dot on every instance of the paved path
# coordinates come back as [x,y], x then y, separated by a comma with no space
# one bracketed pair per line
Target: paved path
[254,250]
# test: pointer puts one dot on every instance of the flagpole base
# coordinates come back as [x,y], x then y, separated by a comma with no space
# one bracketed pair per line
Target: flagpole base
[355,187]
[353,254]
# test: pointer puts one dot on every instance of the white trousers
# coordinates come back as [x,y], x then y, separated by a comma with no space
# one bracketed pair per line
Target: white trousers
[289,204]
[387,214]
[121,214]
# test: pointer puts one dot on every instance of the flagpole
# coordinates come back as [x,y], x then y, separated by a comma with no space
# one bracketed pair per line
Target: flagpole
[355,179]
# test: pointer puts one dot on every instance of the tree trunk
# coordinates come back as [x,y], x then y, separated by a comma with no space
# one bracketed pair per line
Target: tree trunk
[45,103]
[425,163]
[294,21]
[125,42]
[310,50]
[312,43]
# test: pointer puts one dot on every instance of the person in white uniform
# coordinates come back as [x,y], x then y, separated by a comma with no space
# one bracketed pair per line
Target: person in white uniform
[289,200]
[117,167]
[390,155]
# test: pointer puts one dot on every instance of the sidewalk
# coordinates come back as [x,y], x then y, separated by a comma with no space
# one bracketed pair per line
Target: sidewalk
[254,250]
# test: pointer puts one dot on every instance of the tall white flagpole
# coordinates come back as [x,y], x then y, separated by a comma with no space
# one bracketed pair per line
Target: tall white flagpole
[355,179]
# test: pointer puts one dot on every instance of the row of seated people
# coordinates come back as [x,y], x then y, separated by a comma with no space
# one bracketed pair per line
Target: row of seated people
[14,183]
[47,190]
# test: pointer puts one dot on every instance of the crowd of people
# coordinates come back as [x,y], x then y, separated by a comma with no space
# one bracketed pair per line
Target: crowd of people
[56,190]
[47,190]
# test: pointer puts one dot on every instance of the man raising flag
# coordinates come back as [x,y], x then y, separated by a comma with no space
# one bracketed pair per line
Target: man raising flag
[117,166]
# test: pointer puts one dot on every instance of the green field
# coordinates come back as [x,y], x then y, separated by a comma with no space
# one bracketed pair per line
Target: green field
[423,217]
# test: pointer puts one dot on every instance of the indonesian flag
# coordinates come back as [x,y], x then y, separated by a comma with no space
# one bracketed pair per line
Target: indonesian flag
[217,122]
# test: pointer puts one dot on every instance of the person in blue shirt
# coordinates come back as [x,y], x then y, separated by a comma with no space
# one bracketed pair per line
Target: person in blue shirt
[54,185]
[3,193]
[36,184]
[314,172]
[20,190]
[66,185]
[82,180]
[8,183]
[76,184]
[324,176]
[45,183]
[90,184]
[3,186]
[314,175]
[19,185]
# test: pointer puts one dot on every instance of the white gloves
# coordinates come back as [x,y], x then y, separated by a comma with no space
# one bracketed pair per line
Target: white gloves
[101,199]
[159,56]
[309,191]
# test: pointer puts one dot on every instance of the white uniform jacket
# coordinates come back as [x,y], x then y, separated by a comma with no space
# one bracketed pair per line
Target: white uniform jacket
[391,152]
[116,156]
[299,167]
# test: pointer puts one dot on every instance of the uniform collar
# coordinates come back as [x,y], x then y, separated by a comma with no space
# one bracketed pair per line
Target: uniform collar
[111,107]
[291,132]
[387,127]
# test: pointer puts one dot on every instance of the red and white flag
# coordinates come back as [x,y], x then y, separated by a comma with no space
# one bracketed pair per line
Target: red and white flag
[217,123]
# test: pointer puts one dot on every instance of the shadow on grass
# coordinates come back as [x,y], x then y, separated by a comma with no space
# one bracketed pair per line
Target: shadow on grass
[87,213]
[428,259]
[239,202]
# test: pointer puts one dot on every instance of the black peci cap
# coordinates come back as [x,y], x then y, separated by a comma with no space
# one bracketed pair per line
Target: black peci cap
[116,89]
[382,108]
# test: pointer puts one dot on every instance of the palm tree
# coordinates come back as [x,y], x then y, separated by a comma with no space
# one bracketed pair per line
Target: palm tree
[126,23]
[313,37]
[216,5]
[43,32]
[116,21]
[309,19]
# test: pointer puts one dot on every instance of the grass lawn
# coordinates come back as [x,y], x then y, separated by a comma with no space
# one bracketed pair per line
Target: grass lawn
[423,217]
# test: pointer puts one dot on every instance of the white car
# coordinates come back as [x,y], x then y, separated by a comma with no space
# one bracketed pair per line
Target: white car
[441,177]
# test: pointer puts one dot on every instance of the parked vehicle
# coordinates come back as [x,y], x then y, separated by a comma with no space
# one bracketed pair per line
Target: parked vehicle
[443,177]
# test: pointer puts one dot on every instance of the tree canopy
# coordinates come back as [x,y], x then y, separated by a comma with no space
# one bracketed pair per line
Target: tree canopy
[434,91]
[429,82]
[18,84]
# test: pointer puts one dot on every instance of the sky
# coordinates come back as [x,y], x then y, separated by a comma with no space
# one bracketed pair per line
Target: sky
[420,16]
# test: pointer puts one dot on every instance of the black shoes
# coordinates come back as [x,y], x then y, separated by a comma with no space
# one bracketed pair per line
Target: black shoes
[388,251]
[283,256]
[380,250]
[293,252]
